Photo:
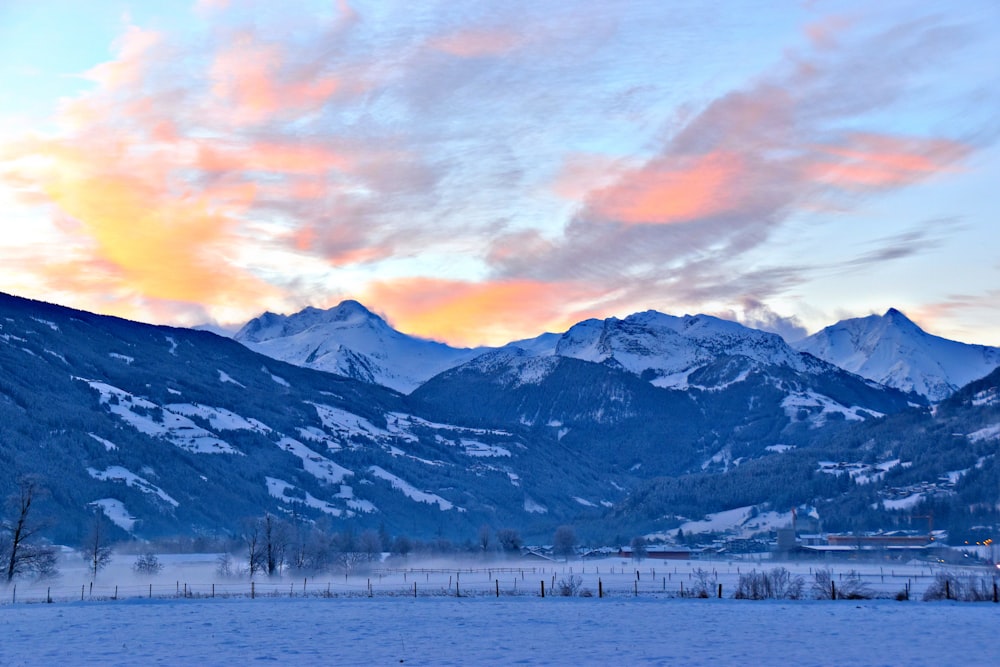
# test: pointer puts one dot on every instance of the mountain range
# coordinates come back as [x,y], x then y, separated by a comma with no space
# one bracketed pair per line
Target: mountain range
[615,425]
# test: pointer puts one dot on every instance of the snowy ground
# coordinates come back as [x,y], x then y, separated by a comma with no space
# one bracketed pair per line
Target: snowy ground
[483,630]
[641,620]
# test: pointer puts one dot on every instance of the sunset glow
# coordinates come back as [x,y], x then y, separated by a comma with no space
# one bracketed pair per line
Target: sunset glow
[489,174]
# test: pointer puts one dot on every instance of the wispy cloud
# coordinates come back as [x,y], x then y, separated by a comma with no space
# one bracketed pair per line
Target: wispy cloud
[523,165]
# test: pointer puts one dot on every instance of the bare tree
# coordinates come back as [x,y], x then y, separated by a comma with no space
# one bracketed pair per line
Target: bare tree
[250,536]
[509,540]
[485,537]
[147,563]
[639,550]
[564,542]
[20,554]
[276,536]
[370,544]
[95,548]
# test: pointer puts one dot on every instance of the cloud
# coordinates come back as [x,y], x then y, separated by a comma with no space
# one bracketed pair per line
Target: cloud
[470,313]
[758,315]
[681,226]
[478,43]
[872,161]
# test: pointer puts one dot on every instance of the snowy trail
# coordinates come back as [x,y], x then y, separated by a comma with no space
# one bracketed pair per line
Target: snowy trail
[464,631]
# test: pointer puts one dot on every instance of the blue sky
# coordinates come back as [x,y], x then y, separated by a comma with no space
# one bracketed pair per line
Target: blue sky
[481,172]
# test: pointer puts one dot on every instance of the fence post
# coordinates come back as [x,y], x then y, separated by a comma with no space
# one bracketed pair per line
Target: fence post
[635,584]
[720,591]
[497,581]
[947,590]
[600,588]
[304,585]
[253,591]
[82,588]
[995,592]
[543,588]
[213,590]
[414,589]
[48,595]
[833,589]
[13,598]
[116,593]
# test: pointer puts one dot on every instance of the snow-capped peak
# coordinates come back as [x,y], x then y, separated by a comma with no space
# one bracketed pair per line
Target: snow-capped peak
[350,340]
[668,348]
[891,349]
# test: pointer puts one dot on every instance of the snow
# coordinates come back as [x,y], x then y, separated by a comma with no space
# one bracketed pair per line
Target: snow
[225,378]
[411,491]
[350,340]
[583,501]
[287,493]
[130,479]
[480,630]
[909,502]
[116,513]
[318,466]
[219,418]
[991,432]
[51,325]
[346,423]
[121,357]
[892,350]
[175,428]
[277,379]
[108,445]
[780,449]
[820,407]
[533,507]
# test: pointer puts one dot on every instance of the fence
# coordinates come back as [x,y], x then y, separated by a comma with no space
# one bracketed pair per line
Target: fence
[605,579]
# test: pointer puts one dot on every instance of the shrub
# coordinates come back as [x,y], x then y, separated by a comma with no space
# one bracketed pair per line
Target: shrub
[778,584]
[569,586]
[968,588]
[147,563]
[850,586]
[704,585]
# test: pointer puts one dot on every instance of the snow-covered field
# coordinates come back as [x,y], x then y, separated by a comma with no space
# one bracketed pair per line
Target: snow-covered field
[484,630]
[127,620]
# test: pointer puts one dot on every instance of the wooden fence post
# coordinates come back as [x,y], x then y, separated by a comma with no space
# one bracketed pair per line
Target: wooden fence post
[600,588]
[543,588]
[253,591]
[497,582]
[833,589]
[720,591]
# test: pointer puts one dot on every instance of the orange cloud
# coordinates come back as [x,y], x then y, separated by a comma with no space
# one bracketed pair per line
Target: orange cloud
[466,313]
[674,189]
[872,161]
[271,157]
[166,245]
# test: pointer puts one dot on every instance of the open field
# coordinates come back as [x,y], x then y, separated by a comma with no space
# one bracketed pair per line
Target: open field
[195,575]
[456,618]
[483,630]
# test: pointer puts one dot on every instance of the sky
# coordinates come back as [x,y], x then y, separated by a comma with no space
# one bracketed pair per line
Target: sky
[480,172]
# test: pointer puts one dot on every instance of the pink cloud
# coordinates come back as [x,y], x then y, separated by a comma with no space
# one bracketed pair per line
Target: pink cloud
[481,42]
[870,161]
[675,189]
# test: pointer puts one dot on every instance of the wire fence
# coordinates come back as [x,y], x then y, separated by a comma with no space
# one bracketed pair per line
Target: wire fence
[622,579]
